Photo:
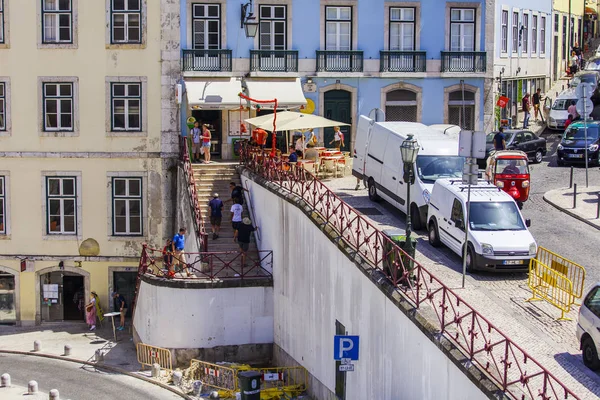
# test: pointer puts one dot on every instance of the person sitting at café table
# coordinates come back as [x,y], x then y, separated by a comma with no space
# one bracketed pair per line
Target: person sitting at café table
[311,154]
[293,157]
[300,145]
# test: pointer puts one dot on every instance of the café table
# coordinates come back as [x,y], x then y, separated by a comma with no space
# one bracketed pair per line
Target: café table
[112,316]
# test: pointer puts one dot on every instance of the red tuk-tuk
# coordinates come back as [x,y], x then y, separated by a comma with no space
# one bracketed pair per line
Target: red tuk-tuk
[509,170]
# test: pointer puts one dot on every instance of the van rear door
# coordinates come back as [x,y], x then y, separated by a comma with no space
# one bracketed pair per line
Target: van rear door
[375,152]
[360,146]
[391,175]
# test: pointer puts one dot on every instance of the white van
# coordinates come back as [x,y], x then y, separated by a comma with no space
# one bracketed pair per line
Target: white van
[498,236]
[447,129]
[378,162]
[558,113]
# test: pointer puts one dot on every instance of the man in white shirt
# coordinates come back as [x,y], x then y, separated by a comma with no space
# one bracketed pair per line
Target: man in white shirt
[236,214]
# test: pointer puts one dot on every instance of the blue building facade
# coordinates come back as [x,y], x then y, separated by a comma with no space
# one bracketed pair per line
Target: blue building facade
[427,61]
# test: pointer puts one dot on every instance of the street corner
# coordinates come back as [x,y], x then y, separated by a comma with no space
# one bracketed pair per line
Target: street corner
[582,204]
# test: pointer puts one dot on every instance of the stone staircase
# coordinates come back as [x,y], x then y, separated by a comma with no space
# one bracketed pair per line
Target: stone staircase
[215,177]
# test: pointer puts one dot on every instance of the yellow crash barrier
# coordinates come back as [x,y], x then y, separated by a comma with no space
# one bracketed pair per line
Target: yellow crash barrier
[573,271]
[222,378]
[548,284]
[148,355]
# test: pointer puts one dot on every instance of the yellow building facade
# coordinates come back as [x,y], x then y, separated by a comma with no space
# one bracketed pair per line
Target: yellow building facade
[567,29]
[88,149]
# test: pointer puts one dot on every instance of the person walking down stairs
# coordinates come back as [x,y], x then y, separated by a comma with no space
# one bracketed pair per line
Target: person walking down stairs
[216,214]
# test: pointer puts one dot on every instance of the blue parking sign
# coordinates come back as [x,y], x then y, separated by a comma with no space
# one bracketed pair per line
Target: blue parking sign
[345,347]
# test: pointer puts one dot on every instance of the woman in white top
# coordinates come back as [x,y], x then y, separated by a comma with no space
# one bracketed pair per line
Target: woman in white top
[338,138]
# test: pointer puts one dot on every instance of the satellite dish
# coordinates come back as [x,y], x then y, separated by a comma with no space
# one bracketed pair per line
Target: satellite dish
[377,115]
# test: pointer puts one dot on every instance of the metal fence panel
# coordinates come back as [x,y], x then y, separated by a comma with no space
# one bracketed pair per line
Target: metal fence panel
[148,355]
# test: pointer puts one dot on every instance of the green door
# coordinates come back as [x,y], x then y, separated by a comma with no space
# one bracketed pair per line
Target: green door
[337,107]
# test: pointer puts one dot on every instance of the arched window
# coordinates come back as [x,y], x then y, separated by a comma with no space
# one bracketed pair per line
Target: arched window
[401,105]
[461,109]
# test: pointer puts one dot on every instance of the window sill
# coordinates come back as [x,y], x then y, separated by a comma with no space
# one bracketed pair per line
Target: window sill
[126,133]
[57,46]
[4,236]
[5,133]
[504,55]
[126,46]
[60,236]
[125,238]
[59,133]
[4,46]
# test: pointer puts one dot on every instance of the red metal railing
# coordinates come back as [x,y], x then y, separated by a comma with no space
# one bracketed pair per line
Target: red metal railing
[207,265]
[193,195]
[504,362]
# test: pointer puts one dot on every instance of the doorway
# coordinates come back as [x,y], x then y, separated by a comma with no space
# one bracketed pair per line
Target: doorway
[62,296]
[124,283]
[337,105]
[8,309]
[212,118]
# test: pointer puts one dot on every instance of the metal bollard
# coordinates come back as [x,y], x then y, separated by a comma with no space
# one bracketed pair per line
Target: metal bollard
[99,355]
[177,376]
[5,380]
[155,373]
[598,207]
[37,345]
[67,350]
[575,196]
[571,179]
[54,395]
[32,387]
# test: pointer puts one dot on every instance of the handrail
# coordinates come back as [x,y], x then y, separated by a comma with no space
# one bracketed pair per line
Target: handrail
[201,236]
[504,362]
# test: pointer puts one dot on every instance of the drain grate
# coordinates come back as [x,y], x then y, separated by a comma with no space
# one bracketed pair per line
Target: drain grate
[368,211]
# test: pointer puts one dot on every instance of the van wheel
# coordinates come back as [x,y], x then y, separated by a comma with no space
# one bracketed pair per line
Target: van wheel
[538,156]
[590,354]
[470,259]
[373,196]
[434,234]
[415,217]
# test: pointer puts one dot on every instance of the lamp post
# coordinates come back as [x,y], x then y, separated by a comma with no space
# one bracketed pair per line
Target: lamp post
[409,151]
[248,20]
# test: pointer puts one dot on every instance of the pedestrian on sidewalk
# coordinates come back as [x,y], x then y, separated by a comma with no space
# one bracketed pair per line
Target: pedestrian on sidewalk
[568,121]
[237,192]
[574,64]
[196,145]
[168,258]
[216,214]
[236,214]
[242,236]
[178,250]
[122,306]
[206,136]
[526,105]
[537,97]
[90,312]
[500,140]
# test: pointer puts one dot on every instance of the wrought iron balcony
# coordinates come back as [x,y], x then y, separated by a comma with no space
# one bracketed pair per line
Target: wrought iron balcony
[463,61]
[274,60]
[207,60]
[339,61]
[402,61]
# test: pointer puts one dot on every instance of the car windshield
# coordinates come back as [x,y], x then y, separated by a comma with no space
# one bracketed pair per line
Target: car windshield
[587,78]
[430,168]
[511,166]
[593,65]
[489,138]
[562,104]
[578,133]
[495,216]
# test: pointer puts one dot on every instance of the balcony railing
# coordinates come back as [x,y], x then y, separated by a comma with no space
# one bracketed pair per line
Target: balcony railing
[402,61]
[339,61]
[463,61]
[207,60]
[274,60]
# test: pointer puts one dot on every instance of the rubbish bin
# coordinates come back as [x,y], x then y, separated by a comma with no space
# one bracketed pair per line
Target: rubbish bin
[398,237]
[249,383]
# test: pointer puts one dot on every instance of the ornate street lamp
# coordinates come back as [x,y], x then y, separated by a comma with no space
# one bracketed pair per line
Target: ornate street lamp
[409,151]
[248,20]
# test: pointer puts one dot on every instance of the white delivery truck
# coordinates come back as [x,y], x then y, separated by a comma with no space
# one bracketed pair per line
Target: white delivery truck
[378,162]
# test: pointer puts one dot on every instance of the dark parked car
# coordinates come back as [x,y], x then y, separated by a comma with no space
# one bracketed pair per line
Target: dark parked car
[591,77]
[571,148]
[519,139]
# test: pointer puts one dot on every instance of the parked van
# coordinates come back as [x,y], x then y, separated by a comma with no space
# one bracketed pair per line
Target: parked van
[378,163]
[558,113]
[498,236]
[447,129]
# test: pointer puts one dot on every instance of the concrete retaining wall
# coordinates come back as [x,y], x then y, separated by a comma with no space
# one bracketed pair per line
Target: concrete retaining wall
[315,285]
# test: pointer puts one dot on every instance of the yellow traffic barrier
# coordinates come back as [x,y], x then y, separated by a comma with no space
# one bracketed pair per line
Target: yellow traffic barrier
[216,376]
[148,355]
[548,284]
[570,269]
[291,381]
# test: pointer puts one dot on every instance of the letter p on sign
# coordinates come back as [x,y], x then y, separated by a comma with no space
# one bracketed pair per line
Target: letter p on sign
[345,347]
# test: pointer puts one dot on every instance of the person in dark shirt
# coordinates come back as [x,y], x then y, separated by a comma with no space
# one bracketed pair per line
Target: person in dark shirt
[242,236]
[537,97]
[293,157]
[216,214]
[237,192]
[122,306]
[499,140]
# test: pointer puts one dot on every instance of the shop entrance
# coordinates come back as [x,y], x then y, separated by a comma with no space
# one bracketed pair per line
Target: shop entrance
[8,309]
[124,283]
[62,296]
[337,107]
[212,118]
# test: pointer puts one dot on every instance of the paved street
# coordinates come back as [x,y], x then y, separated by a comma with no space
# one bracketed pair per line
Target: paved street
[77,382]
[502,298]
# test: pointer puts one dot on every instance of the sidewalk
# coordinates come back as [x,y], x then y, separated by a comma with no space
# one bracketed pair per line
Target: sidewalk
[586,206]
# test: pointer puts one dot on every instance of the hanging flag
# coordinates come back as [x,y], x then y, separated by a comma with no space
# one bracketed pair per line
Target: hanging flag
[502,101]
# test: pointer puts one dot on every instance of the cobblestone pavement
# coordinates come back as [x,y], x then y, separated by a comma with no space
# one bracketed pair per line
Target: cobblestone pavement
[587,203]
[502,298]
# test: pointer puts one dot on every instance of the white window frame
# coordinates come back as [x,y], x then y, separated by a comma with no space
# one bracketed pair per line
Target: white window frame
[127,100]
[56,15]
[2,37]
[3,116]
[3,206]
[126,13]
[207,25]
[272,22]
[58,98]
[61,197]
[128,198]
[504,32]
[534,33]
[542,35]
[108,106]
[515,31]
[402,22]
[462,22]
[525,37]
[338,21]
